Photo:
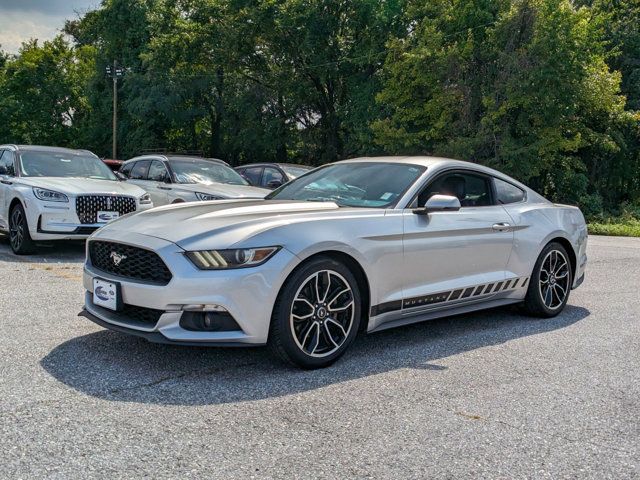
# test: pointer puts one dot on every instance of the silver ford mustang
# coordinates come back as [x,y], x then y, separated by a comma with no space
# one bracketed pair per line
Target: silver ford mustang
[358,245]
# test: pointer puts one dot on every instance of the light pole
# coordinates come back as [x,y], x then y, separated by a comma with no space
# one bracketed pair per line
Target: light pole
[115,72]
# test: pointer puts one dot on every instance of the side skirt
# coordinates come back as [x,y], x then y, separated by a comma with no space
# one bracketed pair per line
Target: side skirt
[447,312]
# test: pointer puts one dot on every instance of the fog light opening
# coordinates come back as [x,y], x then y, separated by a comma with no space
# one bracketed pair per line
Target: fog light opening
[209,321]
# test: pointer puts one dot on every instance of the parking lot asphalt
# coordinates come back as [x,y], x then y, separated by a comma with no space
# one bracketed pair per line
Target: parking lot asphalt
[486,395]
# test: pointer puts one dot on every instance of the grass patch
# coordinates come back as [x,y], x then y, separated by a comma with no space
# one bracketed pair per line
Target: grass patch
[616,227]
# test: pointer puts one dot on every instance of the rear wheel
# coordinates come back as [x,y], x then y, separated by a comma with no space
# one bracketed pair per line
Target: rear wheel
[550,282]
[19,237]
[317,314]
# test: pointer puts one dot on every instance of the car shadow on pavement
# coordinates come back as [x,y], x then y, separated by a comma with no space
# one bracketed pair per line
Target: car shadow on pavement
[118,367]
[47,252]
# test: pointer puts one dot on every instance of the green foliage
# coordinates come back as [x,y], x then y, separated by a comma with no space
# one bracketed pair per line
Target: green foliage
[520,86]
[545,90]
[42,93]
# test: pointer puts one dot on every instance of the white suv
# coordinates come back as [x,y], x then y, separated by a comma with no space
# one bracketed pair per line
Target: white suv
[177,179]
[50,193]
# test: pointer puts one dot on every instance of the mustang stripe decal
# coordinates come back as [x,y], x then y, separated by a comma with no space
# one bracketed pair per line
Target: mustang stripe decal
[446,297]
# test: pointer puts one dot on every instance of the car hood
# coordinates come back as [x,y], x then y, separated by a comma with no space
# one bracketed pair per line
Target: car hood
[80,186]
[229,221]
[225,190]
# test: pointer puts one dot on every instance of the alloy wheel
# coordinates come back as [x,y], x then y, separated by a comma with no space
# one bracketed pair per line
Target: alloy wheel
[16,229]
[322,313]
[554,279]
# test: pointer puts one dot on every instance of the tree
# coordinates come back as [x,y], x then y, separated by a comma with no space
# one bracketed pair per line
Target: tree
[42,92]
[522,86]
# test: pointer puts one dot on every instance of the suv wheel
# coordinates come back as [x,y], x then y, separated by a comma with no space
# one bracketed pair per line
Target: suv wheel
[19,237]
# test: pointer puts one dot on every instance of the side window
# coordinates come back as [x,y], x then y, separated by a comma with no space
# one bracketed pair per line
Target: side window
[272,175]
[158,172]
[252,175]
[508,193]
[126,169]
[139,172]
[7,166]
[472,190]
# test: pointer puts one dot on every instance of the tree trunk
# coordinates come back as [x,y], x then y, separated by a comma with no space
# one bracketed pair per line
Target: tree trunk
[216,114]
[281,146]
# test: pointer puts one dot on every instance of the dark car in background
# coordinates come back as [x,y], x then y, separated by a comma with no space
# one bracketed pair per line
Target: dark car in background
[271,175]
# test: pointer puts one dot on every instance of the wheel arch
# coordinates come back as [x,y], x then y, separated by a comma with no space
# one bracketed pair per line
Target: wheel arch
[15,201]
[358,272]
[570,251]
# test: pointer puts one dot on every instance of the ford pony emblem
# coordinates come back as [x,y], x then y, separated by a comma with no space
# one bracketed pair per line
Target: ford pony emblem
[117,258]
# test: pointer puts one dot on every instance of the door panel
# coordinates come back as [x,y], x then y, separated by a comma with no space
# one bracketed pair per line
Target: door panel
[444,251]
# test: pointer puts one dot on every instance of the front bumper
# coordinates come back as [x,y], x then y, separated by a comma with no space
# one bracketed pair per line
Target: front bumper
[55,221]
[156,337]
[247,294]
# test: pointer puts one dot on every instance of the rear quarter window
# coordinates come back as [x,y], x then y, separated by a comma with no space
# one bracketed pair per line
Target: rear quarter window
[508,193]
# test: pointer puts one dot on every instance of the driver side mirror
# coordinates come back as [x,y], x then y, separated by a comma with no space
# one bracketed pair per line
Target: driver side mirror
[121,176]
[3,170]
[273,184]
[439,203]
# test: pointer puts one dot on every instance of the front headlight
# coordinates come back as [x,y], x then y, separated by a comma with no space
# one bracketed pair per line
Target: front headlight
[236,258]
[49,195]
[145,199]
[205,197]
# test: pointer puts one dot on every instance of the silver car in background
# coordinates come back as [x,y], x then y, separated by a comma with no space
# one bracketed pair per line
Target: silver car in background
[359,245]
[176,179]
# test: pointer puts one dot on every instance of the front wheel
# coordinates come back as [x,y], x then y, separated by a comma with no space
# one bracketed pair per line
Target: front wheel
[550,282]
[19,237]
[317,314]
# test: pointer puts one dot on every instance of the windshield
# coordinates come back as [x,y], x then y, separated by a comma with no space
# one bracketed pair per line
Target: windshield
[295,171]
[205,172]
[358,184]
[55,164]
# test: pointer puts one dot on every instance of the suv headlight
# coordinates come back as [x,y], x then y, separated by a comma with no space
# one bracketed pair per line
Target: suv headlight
[236,258]
[145,199]
[49,195]
[205,197]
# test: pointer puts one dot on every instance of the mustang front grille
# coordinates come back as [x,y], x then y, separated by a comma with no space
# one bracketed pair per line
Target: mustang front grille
[129,262]
[88,206]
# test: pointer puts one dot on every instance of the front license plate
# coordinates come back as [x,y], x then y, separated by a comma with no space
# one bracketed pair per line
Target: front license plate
[107,294]
[106,217]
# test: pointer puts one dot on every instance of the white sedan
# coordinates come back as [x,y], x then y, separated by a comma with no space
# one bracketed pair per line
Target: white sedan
[364,244]
[177,179]
[50,193]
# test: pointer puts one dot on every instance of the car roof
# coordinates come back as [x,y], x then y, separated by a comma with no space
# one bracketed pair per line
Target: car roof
[426,161]
[441,163]
[43,148]
[182,158]
[279,164]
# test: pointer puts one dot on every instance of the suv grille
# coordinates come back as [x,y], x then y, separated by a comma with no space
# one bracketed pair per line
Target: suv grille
[88,206]
[136,263]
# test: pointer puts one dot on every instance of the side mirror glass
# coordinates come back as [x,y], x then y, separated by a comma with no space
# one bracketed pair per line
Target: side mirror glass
[121,176]
[3,170]
[439,203]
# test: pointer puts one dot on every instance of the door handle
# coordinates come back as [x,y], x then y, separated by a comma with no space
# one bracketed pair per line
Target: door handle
[501,227]
[6,182]
[164,188]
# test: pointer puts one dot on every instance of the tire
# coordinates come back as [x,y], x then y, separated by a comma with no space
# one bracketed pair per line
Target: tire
[19,236]
[550,283]
[317,313]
